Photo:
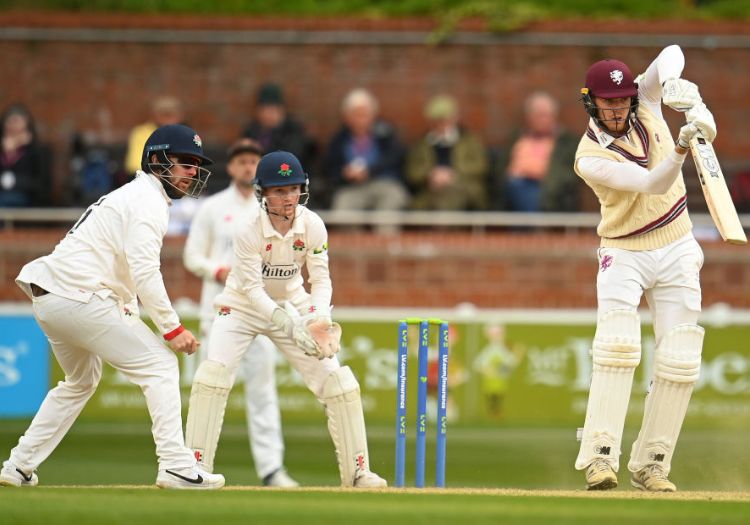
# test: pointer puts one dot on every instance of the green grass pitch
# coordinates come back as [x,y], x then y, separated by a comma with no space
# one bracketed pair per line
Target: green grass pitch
[104,473]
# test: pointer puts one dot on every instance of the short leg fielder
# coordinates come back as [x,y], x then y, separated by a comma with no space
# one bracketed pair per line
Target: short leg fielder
[333,385]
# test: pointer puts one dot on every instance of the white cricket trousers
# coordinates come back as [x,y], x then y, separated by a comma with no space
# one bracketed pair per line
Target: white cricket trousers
[669,277]
[232,334]
[82,335]
[258,370]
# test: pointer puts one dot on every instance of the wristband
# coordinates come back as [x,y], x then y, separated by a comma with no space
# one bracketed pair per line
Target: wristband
[174,333]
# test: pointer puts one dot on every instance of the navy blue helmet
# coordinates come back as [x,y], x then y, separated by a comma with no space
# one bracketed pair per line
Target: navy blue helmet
[280,168]
[176,140]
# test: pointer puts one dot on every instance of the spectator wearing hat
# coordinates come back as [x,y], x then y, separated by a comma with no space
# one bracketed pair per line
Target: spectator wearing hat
[275,129]
[165,110]
[364,160]
[448,167]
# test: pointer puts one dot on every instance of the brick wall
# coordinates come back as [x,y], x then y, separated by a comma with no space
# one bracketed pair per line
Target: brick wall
[104,88]
[493,270]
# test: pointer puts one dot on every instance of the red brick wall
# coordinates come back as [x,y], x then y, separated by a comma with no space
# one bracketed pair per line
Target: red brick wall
[105,88]
[494,270]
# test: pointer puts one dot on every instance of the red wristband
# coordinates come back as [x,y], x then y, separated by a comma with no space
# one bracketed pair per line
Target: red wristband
[174,333]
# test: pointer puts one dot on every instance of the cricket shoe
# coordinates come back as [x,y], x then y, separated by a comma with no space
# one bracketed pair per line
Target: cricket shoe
[600,475]
[11,476]
[369,480]
[280,478]
[188,478]
[652,478]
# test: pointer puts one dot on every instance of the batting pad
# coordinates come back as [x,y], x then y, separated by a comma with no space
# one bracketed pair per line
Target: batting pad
[346,423]
[677,364]
[208,400]
[616,353]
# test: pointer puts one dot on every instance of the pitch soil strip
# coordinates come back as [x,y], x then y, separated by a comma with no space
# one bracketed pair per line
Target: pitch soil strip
[616,494]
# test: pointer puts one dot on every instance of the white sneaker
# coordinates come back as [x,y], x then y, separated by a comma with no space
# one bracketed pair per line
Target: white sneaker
[369,480]
[11,476]
[280,478]
[188,478]
[600,475]
[653,479]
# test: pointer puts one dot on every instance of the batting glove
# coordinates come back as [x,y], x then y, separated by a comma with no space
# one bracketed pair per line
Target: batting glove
[701,118]
[680,94]
[687,132]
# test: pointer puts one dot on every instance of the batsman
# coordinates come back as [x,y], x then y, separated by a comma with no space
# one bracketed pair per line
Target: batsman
[265,295]
[628,158]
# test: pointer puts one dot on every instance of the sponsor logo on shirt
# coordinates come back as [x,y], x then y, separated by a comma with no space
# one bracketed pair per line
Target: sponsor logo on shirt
[283,271]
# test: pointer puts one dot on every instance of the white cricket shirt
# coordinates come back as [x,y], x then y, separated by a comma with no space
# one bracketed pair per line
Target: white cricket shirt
[266,270]
[113,249]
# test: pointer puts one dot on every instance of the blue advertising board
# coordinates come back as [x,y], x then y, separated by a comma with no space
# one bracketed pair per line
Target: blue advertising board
[24,366]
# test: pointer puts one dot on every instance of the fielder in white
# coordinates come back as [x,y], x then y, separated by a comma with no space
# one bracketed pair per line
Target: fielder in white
[265,295]
[628,158]
[208,254]
[85,296]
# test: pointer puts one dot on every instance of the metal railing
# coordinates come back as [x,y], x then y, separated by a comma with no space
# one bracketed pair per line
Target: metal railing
[478,221]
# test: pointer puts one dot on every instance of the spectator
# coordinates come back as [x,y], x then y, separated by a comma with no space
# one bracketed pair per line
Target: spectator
[275,129]
[25,178]
[448,167]
[536,170]
[165,110]
[365,158]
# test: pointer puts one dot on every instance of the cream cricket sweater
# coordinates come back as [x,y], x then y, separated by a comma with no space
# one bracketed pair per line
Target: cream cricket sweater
[638,221]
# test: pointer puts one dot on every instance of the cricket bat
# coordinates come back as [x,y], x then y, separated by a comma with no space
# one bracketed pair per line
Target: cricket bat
[716,192]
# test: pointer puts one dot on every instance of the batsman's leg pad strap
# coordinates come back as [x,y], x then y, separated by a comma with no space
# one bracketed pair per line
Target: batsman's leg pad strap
[616,352]
[208,401]
[677,369]
[346,423]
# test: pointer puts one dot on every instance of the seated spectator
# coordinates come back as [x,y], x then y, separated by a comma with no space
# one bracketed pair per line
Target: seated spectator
[165,110]
[364,160]
[538,169]
[447,168]
[275,129]
[25,177]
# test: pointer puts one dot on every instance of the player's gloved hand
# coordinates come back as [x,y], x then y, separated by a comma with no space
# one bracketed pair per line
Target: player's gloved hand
[327,334]
[680,94]
[295,329]
[701,118]
[687,132]
[185,343]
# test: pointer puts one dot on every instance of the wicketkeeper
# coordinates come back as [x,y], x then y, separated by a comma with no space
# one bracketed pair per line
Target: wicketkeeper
[264,295]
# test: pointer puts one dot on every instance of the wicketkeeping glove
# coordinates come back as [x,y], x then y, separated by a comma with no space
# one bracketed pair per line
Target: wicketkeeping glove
[295,329]
[327,335]
[680,94]
[701,118]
